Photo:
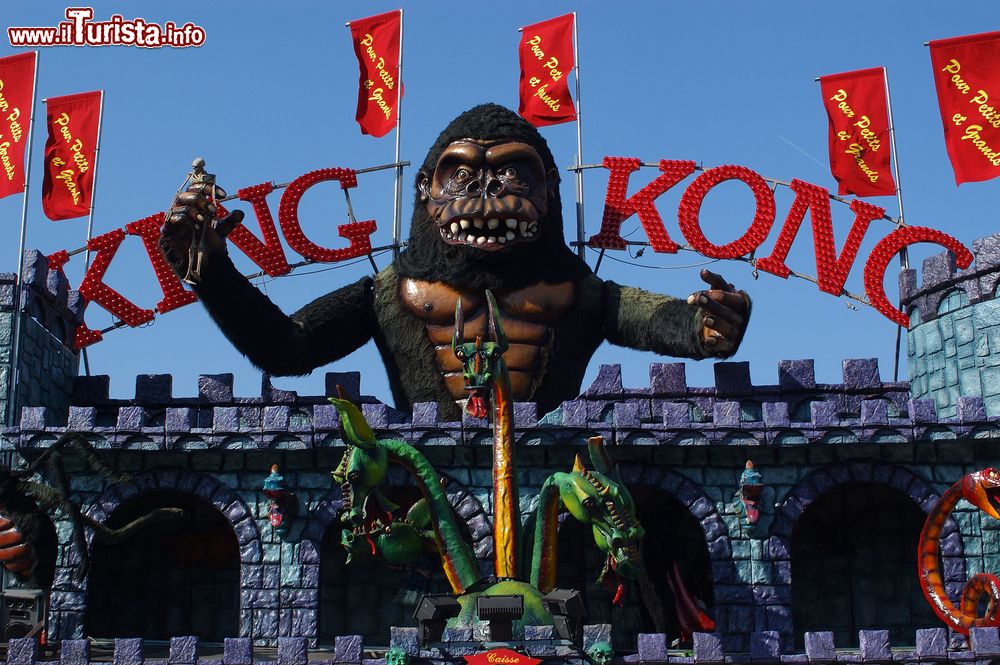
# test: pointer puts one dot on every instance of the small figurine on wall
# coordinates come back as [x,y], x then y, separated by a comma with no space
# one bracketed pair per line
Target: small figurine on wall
[283,506]
[751,487]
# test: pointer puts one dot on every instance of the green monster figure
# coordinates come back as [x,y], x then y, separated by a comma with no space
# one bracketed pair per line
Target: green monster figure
[601,654]
[397,656]
[488,382]
[598,498]
[594,497]
[369,514]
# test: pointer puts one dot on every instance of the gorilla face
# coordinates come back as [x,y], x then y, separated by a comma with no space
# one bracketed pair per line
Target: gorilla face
[487,194]
[487,213]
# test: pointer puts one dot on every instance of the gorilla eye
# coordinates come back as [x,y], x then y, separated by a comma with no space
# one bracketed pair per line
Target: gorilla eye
[509,172]
[463,174]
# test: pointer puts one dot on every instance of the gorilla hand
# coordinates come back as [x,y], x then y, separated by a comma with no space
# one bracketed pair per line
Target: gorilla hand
[725,315]
[188,212]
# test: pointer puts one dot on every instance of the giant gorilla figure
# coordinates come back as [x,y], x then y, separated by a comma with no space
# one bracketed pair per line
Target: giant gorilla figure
[487,216]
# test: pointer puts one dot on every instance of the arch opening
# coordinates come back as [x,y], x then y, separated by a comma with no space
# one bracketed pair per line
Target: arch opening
[180,578]
[853,555]
[677,573]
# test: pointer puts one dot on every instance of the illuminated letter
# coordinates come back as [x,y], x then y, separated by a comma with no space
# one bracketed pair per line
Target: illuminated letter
[288,217]
[888,247]
[831,271]
[93,289]
[268,255]
[617,208]
[174,295]
[694,195]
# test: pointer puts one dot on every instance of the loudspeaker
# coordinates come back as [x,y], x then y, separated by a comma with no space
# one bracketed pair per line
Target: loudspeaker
[22,612]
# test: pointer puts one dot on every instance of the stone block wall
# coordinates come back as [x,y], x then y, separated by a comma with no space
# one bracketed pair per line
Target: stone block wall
[953,343]
[8,294]
[674,440]
[50,313]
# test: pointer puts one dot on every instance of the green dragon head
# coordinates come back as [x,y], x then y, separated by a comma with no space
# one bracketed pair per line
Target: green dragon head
[362,470]
[397,543]
[482,361]
[600,498]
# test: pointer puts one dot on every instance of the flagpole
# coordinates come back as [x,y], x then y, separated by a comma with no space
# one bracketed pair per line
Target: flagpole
[397,198]
[580,229]
[93,190]
[904,259]
[90,217]
[19,299]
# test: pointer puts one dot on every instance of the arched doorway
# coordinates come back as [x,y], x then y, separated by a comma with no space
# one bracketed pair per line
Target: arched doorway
[854,565]
[172,579]
[367,596]
[650,605]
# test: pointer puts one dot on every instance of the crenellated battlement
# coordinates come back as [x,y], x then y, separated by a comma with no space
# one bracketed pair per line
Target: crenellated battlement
[796,409]
[940,276]
[48,298]
[932,646]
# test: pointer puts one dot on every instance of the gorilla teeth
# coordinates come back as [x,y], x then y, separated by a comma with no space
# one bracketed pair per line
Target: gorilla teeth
[462,236]
[454,227]
[511,223]
[481,240]
[510,234]
[478,223]
[501,239]
[523,226]
[492,223]
[465,223]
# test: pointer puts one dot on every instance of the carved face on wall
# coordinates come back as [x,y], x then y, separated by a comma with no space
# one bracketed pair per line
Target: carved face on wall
[490,195]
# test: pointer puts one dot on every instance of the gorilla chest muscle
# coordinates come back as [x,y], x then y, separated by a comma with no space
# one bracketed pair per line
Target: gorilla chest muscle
[528,316]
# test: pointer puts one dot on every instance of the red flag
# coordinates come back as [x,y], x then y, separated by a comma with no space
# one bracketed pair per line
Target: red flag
[17,89]
[70,152]
[546,55]
[968,88]
[376,43]
[859,132]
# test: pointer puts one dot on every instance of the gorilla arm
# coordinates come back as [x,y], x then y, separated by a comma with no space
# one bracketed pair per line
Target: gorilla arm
[325,330]
[709,323]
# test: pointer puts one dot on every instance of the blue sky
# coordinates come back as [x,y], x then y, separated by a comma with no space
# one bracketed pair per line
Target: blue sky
[272,93]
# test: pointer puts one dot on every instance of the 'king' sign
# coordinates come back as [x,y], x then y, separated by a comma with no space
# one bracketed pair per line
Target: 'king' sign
[268,253]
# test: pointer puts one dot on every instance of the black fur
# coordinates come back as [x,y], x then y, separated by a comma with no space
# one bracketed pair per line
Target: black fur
[338,323]
[547,259]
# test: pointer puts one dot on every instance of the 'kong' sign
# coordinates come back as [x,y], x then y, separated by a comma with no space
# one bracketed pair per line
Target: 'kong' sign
[267,251]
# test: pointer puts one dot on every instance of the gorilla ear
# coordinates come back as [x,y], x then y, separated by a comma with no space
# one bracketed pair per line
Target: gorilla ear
[552,180]
[423,186]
